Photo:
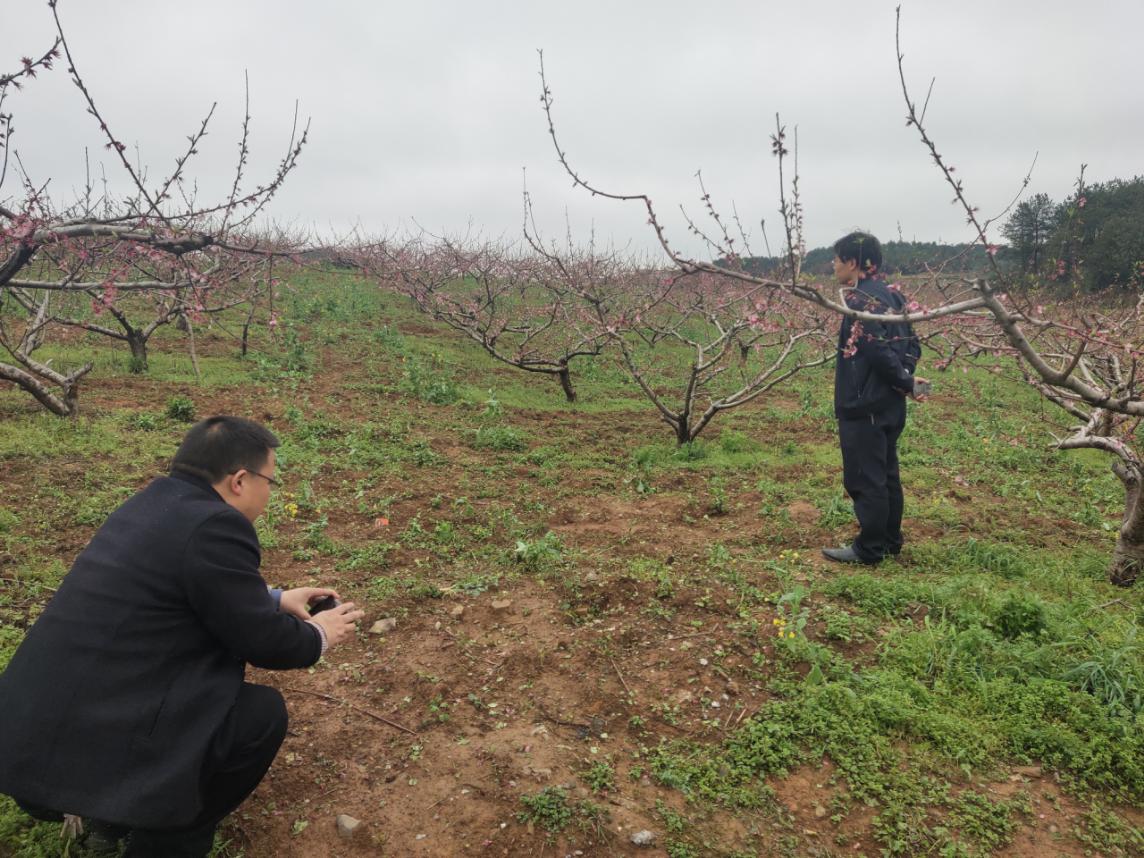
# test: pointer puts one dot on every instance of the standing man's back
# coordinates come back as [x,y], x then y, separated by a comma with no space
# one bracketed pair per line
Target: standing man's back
[874,373]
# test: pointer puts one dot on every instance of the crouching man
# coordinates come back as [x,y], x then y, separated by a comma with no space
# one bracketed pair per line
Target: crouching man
[126,703]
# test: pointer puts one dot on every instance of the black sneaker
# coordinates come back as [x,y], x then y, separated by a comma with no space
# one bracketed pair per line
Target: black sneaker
[101,839]
[845,555]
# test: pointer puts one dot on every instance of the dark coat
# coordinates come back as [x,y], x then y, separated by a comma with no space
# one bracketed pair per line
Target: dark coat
[875,364]
[113,700]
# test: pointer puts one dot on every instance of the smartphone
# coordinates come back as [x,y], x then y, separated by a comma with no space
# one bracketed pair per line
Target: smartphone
[323,605]
[922,388]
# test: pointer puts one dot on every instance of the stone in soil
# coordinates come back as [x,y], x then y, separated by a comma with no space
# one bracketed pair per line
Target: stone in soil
[643,838]
[383,626]
[502,604]
[347,825]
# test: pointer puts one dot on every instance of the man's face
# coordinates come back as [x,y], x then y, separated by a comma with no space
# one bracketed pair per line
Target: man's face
[845,273]
[256,488]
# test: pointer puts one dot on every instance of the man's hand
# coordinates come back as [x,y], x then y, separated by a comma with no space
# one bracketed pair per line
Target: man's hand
[919,397]
[298,600]
[338,623]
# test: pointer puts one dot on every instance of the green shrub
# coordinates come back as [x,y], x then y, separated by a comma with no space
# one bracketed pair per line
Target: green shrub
[499,438]
[1019,615]
[540,554]
[181,408]
[145,422]
[600,776]
[548,808]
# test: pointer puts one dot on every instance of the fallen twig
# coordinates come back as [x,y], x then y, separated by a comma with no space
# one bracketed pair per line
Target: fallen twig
[353,706]
[1108,604]
[693,635]
[587,728]
[621,676]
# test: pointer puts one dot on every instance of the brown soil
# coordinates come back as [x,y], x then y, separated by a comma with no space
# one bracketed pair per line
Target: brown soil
[499,701]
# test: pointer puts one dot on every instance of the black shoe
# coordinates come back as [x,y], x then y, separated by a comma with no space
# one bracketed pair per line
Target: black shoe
[101,839]
[845,555]
[196,843]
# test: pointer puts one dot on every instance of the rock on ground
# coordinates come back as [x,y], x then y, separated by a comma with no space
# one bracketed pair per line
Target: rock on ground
[347,825]
[383,626]
[643,838]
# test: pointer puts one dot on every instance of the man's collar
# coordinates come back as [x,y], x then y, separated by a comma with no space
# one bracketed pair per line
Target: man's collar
[195,480]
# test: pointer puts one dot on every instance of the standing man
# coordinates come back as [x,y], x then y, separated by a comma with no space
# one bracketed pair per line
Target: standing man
[873,375]
[126,702]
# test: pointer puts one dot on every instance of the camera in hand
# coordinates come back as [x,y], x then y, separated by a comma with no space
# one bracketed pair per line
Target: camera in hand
[922,388]
[323,605]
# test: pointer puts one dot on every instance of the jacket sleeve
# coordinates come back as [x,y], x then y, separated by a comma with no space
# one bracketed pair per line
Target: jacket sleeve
[874,344]
[226,591]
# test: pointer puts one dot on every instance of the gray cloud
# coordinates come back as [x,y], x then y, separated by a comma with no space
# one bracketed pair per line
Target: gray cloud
[428,112]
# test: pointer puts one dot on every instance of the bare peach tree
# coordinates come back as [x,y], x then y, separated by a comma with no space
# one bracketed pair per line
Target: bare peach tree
[158,247]
[696,344]
[133,320]
[495,294]
[1080,352]
[1077,355]
[729,245]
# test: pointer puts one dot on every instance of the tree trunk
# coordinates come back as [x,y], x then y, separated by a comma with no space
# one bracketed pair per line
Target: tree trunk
[1128,555]
[1127,560]
[138,344]
[65,404]
[566,384]
[682,430]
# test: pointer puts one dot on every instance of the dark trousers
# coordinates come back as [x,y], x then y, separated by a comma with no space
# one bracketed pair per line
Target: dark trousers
[870,476]
[235,764]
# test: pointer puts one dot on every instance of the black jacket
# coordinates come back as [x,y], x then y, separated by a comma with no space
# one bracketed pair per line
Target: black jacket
[875,364]
[113,700]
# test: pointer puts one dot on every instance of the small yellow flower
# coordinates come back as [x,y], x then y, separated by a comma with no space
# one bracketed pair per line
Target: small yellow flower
[790,634]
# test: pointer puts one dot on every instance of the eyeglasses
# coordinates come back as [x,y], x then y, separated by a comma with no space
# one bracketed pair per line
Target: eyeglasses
[270,480]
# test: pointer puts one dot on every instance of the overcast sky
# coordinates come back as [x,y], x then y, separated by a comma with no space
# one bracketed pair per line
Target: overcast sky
[425,113]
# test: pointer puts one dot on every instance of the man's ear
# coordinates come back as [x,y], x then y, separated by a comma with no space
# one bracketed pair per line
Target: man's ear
[236,482]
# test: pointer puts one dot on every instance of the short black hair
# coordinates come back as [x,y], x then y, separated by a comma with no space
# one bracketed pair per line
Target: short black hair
[221,445]
[862,248]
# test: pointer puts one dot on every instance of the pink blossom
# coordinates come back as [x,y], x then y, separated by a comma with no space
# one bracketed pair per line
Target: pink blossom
[851,347]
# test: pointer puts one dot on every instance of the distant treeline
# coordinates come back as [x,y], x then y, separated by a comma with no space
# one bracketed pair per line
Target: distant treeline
[898,257]
[1092,240]
[1095,238]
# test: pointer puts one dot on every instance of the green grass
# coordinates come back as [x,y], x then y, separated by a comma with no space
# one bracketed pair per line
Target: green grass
[994,642]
